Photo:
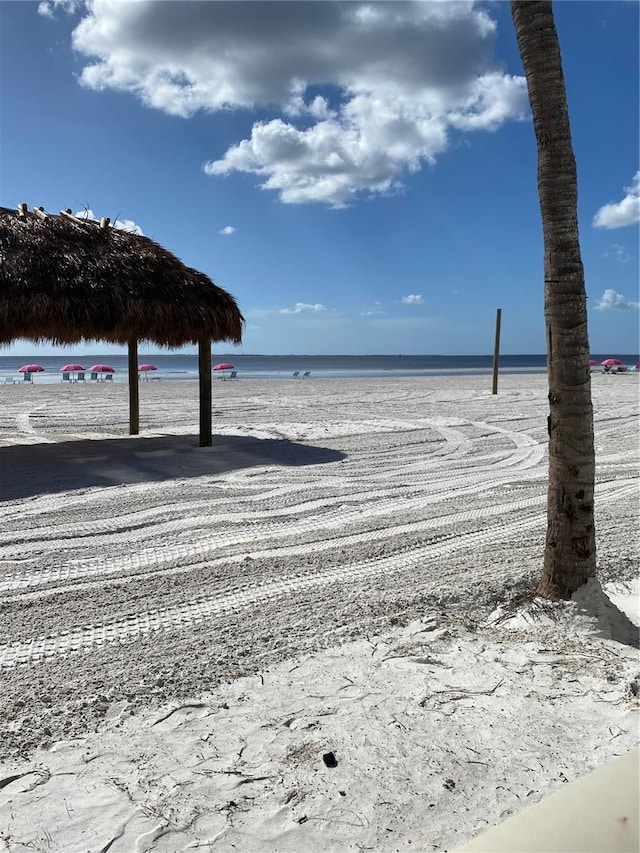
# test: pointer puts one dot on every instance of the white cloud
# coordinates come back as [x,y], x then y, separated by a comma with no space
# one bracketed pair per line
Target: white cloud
[620,254]
[48,8]
[611,301]
[123,224]
[413,299]
[621,213]
[397,79]
[375,311]
[128,225]
[227,230]
[303,307]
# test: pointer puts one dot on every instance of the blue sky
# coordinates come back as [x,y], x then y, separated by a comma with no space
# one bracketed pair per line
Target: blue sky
[361,176]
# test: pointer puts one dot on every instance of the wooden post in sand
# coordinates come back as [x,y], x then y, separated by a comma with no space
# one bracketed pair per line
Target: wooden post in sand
[496,351]
[134,401]
[204,373]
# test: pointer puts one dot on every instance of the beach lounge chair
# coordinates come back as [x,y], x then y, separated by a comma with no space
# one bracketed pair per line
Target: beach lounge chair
[66,377]
[306,374]
[233,374]
[27,377]
[108,377]
[80,377]
[94,377]
[295,374]
[9,380]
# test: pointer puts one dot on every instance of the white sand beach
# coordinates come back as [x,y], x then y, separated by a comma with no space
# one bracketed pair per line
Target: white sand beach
[297,640]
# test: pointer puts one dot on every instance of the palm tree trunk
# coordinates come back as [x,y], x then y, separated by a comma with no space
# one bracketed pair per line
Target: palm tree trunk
[570,550]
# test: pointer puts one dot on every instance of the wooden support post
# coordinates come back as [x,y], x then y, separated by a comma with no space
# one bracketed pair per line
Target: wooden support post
[496,351]
[134,399]
[66,214]
[204,372]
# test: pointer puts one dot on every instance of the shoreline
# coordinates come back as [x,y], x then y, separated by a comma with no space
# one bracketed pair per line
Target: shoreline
[248,366]
[247,375]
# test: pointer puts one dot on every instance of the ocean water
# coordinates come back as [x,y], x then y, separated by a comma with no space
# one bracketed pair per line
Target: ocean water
[180,366]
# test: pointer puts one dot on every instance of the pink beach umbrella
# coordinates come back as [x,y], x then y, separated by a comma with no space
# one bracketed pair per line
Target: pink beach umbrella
[101,369]
[592,362]
[28,369]
[145,368]
[72,368]
[224,365]
[609,363]
[637,365]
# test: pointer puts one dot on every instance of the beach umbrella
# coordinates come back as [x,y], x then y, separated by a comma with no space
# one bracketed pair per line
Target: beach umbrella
[592,363]
[637,365]
[72,368]
[101,369]
[31,368]
[145,368]
[611,362]
[222,367]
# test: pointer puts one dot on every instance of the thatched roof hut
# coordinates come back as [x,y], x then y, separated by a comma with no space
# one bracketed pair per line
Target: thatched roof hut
[67,279]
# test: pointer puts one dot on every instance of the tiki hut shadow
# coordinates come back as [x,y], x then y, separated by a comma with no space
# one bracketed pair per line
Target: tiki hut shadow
[76,465]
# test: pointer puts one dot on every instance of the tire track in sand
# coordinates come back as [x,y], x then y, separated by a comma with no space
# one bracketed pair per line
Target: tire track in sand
[189,615]
[75,640]
[155,558]
[149,561]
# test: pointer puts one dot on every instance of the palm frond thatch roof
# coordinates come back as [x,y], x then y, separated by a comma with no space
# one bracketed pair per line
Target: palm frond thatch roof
[65,280]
